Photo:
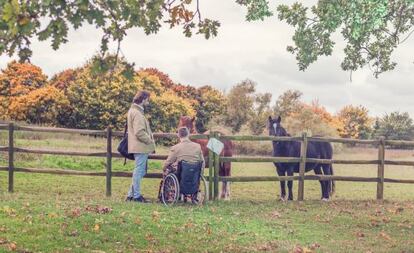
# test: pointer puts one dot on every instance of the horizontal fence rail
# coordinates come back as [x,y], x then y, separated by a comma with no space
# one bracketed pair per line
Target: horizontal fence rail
[82,173]
[313,177]
[78,153]
[92,132]
[343,140]
[214,160]
[253,159]
[257,138]
[399,143]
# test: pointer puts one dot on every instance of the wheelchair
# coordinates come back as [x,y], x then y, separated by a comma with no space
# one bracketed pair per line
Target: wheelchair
[187,184]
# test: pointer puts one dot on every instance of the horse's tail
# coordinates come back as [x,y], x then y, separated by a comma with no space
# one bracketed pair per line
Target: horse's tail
[332,190]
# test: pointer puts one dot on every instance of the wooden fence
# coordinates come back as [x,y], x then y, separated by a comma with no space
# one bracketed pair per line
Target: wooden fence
[214,160]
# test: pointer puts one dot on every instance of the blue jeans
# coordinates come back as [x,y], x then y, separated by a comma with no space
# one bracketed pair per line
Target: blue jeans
[139,172]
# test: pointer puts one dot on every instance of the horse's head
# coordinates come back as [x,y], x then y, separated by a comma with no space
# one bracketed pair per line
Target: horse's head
[187,121]
[275,127]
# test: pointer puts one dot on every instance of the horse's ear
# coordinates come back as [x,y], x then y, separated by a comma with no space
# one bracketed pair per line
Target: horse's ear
[270,119]
[278,119]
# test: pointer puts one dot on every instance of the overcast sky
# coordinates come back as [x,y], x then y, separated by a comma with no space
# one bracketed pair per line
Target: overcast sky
[245,50]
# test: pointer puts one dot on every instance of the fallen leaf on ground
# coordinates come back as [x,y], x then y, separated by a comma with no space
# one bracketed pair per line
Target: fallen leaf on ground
[299,249]
[75,213]
[385,236]
[74,233]
[52,215]
[155,216]
[12,246]
[360,234]
[275,215]
[99,209]
[314,246]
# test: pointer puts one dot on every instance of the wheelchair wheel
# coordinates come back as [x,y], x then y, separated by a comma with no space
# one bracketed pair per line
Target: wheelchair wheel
[201,196]
[170,190]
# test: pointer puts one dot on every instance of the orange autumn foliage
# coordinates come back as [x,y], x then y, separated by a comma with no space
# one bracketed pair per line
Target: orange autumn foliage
[26,95]
[63,79]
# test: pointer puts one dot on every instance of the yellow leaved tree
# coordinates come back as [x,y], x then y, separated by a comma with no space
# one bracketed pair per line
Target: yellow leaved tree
[354,122]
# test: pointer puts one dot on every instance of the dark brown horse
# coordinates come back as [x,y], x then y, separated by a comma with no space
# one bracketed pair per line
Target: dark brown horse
[225,167]
[319,150]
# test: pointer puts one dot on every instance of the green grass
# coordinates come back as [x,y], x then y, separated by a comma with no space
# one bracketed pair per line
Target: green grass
[52,213]
[60,211]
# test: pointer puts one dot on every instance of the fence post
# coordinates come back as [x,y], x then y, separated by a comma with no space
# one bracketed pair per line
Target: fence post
[108,161]
[216,172]
[380,174]
[210,170]
[11,157]
[303,148]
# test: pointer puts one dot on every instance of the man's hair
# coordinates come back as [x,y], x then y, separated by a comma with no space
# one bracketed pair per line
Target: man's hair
[140,96]
[183,132]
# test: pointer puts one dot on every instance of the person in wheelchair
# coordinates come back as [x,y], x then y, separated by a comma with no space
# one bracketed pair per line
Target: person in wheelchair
[186,150]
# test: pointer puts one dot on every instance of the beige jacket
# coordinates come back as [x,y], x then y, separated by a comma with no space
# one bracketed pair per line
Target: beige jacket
[140,139]
[185,150]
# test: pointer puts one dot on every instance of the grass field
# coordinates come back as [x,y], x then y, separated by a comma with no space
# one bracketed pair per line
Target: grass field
[51,213]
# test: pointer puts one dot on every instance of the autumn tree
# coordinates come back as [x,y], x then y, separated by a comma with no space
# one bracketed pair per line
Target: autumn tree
[354,122]
[206,100]
[98,100]
[27,96]
[63,79]
[164,78]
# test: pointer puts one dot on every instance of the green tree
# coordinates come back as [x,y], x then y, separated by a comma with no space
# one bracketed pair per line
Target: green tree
[395,126]
[240,101]
[288,103]
[371,29]
[261,113]
[21,21]
[210,103]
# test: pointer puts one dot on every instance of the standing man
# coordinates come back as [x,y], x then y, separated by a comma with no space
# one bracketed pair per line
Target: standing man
[140,143]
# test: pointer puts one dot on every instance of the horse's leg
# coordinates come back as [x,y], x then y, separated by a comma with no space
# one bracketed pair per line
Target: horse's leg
[290,183]
[282,172]
[326,171]
[224,185]
[227,197]
[318,171]
[223,190]
[227,170]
